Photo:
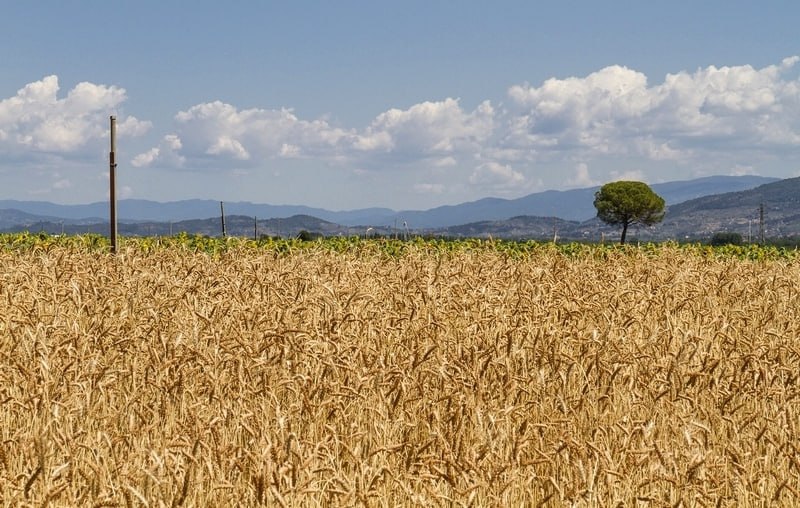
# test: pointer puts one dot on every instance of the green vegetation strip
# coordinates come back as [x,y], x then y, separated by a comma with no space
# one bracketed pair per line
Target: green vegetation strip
[390,247]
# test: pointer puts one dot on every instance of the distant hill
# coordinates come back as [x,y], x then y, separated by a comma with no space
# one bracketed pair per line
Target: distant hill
[144,210]
[696,219]
[522,227]
[13,216]
[740,212]
[574,205]
[235,225]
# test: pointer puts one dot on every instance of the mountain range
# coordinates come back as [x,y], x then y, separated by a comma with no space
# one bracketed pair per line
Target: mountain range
[696,209]
[774,206]
[575,204]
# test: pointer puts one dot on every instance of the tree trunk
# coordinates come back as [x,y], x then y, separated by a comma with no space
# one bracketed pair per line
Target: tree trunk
[624,233]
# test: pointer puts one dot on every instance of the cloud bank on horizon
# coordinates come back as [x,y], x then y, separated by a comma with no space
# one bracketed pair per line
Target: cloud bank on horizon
[563,132]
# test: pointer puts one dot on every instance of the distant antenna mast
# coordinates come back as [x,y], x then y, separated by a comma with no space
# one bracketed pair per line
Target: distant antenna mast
[222,216]
[555,230]
[112,177]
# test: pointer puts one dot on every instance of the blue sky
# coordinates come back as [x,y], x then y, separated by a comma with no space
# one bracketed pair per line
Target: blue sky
[399,104]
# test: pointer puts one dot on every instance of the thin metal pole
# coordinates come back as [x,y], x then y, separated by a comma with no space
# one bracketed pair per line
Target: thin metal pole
[112,167]
[255,228]
[222,216]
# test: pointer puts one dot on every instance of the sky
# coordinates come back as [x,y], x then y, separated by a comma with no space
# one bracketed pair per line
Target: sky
[405,105]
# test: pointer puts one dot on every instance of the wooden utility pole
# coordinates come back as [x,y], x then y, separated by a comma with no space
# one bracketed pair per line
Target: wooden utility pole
[222,216]
[112,177]
[255,228]
[761,223]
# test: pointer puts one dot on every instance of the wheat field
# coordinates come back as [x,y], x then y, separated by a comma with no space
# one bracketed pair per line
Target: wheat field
[168,377]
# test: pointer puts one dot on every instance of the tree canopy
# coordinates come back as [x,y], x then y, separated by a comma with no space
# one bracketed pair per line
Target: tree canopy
[626,203]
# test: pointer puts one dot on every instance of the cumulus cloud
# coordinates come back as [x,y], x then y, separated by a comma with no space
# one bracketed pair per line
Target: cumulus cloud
[429,128]
[711,118]
[615,111]
[133,127]
[495,175]
[146,158]
[435,132]
[289,151]
[36,119]
[166,153]
[228,145]
[223,132]
[559,105]
[581,177]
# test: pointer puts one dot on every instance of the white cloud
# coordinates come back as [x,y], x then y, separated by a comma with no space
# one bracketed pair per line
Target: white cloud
[146,158]
[133,127]
[374,141]
[167,153]
[581,178]
[37,120]
[429,128]
[615,111]
[495,175]
[612,93]
[634,175]
[289,151]
[434,132]
[657,150]
[62,184]
[222,132]
[445,162]
[429,188]
[228,145]
[708,120]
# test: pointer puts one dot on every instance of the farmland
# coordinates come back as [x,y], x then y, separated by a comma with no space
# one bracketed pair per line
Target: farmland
[203,372]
